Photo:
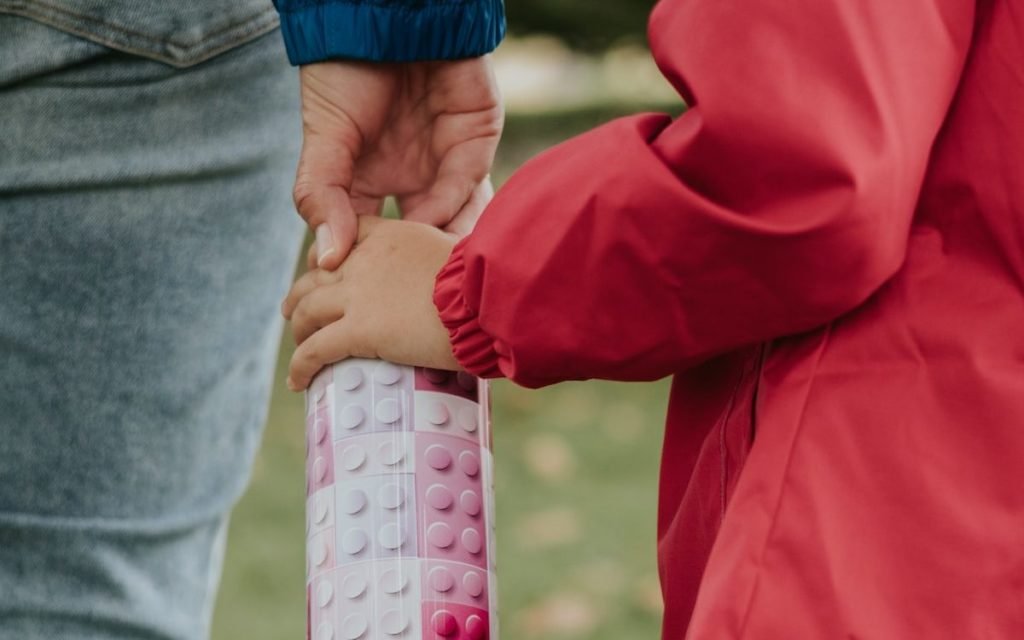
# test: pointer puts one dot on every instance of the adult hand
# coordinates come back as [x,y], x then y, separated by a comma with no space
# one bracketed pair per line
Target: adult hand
[425,132]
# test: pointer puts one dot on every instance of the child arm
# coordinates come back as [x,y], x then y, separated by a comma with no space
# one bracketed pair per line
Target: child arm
[781,200]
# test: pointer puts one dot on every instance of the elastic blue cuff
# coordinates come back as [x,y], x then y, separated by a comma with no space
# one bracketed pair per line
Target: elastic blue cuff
[390,31]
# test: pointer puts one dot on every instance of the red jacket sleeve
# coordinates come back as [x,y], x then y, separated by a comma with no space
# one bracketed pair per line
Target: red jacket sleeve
[779,201]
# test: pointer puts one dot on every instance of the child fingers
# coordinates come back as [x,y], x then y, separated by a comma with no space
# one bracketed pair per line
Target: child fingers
[328,345]
[367,224]
[306,283]
[319,308]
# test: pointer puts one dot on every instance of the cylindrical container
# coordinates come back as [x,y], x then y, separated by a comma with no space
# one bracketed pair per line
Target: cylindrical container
[399,505]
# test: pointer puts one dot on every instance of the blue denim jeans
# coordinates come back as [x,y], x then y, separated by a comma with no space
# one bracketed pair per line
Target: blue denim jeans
[147,237]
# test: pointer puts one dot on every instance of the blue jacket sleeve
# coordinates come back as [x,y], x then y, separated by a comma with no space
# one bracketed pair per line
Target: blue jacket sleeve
[390,30]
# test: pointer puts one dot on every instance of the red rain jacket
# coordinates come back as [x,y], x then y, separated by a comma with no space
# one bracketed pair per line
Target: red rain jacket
[827,251]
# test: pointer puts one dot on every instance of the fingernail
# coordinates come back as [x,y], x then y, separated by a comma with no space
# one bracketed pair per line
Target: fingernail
[324,243]
[291,384]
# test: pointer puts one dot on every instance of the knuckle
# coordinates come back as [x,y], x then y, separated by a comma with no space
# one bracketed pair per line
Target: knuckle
[304,197]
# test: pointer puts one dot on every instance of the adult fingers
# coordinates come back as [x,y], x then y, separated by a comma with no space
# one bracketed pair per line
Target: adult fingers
[463,167]
[311,257]
[321,194]
[464,221]
[332,343]
[319,308]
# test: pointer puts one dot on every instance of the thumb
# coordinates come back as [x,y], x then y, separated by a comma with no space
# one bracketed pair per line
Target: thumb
[321,195]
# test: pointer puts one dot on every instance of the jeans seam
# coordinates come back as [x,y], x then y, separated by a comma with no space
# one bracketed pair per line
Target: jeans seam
[26,9]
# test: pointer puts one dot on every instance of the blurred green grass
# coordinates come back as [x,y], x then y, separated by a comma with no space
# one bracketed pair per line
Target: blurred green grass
[576,484]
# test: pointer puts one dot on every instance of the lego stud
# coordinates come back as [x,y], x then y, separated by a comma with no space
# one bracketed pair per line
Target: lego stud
[473,583]
[441,579]
[393,581]
[468,419]
[391,453]
[438,457]
[350,378]
[354,627]
[354,541]
[387,373]
[475,628]
[353,501]
[471,540]
[439,497]
[391,536]
[353,457]
[320,509]
[319,552]
[436,376]
[394,622]
[440,535]
[469,500]
[469,463]
[325,631]
[353,586]
[444,623]
[388,411]
[437,413]
[320,430]
[351,416]
[324,593]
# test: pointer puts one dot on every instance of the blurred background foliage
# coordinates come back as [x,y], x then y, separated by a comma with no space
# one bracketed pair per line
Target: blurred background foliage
[576,463]
[582,24]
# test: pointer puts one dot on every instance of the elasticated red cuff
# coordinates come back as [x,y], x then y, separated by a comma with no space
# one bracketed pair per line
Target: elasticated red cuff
[471,345]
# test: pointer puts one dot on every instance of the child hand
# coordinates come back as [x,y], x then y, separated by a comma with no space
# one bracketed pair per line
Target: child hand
[378,304]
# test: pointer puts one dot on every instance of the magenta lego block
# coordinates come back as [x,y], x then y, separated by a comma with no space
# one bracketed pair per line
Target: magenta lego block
[370,396]
[376,518]
[450,621]
[454,582]
[457,384]
[449,490]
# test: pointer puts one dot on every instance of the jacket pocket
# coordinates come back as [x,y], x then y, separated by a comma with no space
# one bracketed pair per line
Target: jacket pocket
[739,423]
[180,34]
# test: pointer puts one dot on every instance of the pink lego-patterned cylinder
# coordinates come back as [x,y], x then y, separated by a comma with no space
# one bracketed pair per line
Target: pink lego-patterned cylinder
[399,505]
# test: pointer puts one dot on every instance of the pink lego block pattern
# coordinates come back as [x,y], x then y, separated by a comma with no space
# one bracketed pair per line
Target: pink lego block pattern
[319,450]
[399,507]
[448,414]
[449,490]
[454,582]
[367,600]
[371,396]
[320,553]
[377,454]
[449,621]
[320,510]
[376,518]
[457,384]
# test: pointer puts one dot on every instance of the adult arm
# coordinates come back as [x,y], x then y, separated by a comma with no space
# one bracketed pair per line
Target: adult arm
[389,30]
[399,100]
